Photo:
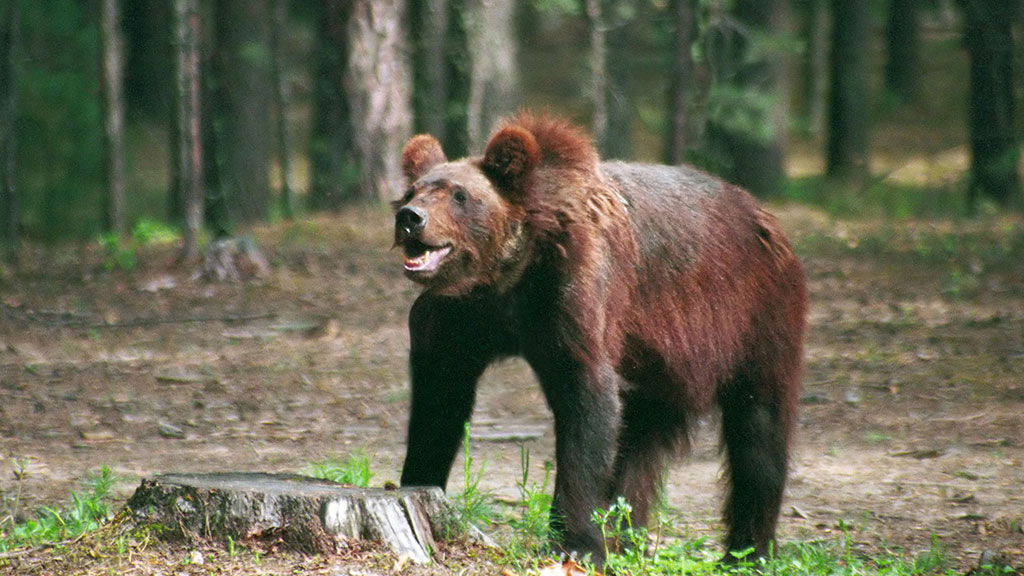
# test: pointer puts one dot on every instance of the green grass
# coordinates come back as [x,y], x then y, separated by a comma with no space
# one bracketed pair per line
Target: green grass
[661,550]
[640,555]
[87,512]
[530,521]
[355,470]
[639,551]
[472,506]
[122,253]
[878,199]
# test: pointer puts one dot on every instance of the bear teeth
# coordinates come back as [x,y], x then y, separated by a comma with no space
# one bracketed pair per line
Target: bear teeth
[428,261]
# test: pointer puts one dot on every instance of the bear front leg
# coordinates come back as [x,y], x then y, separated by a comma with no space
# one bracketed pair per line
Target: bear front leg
[446,359]
[442,402]
[586,407]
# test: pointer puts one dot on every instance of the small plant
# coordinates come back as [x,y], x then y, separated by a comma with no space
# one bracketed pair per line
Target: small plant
[120,254]
[472,505]
[11,510]
[630,542]
[355,470]
[531,530]
[931,561]
[960,285]
[117,254]
[88,512]
[148,232]
[877,437]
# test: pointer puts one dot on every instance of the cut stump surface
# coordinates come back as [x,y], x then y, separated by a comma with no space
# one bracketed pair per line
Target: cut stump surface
[299,511]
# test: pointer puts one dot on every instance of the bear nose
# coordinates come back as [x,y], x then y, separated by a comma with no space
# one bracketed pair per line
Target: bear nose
[411,220]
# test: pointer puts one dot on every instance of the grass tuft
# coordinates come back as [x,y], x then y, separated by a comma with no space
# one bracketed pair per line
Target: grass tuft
[472,506]
[355,470]
[531,530]
[87,512]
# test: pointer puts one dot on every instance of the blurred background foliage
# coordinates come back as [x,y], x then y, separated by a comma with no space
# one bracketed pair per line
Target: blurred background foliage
[304,106]
[60,123]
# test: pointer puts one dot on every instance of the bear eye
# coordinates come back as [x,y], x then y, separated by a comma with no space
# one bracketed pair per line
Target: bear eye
[459,196]
[408,195]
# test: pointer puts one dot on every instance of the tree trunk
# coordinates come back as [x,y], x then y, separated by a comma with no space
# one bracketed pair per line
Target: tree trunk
[379,87]
[680,87]
[598,70]
[1020,39]
[298,512]
[149,33]
[217,200]
[428,23]
[903,41]
[189,149]
[234,260]
[995,156]
[282,102]
[245,88]
[441,67]
[333,179]
[494,79]
[8,129]
[609,74]
[458,64]
[847,151]
[618,138]
[113,99]
[749,143]
[816,65]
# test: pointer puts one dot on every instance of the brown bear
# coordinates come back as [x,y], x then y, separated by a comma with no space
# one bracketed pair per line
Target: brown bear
[640,295]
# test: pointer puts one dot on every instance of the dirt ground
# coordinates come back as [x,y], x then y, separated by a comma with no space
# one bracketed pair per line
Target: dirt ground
[911,428]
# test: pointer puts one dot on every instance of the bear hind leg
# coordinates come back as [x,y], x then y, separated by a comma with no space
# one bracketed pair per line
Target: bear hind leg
[755,438]
[652,432]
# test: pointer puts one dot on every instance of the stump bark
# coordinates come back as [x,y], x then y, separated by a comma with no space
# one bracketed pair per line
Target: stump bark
[298,511]
[234,260]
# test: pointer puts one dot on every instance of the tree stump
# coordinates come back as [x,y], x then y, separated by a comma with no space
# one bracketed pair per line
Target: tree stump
[234,260]
[298,511]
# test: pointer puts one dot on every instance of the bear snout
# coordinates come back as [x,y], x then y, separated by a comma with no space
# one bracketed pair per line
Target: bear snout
[410,221]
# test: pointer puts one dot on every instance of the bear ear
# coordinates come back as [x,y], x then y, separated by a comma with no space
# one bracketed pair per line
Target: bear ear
[422,153]
[510,158]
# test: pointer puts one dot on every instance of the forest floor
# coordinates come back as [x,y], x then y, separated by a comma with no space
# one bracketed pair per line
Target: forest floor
[911,427]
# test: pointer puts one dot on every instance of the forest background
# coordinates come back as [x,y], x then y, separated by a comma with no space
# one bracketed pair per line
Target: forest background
[134,134]
[122,115]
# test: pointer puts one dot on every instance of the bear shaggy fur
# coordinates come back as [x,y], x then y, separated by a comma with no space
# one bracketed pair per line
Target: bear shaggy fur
[640,295]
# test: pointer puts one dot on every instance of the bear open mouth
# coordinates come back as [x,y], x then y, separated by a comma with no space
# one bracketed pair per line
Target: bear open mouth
[422,258]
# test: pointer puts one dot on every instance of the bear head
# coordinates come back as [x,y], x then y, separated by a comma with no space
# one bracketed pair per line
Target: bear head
[460,224]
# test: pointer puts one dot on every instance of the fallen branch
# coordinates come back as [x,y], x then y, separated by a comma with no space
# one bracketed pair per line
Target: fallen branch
[80,321]
[153,321]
